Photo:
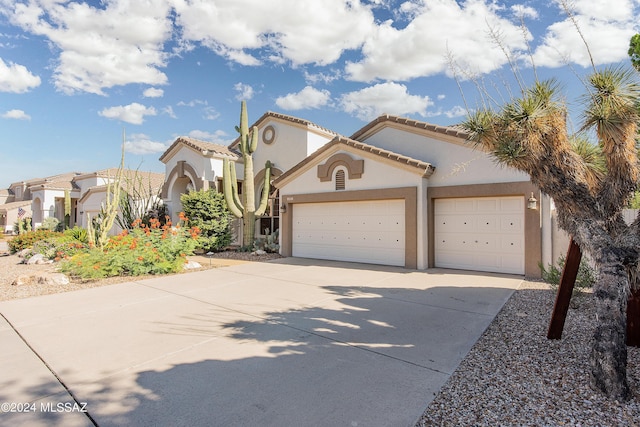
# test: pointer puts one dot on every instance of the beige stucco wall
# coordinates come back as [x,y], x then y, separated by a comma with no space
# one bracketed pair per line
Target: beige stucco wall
[292,144]
[380,179]
[456,162]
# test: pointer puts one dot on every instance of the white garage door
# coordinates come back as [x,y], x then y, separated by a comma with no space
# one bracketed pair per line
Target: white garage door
[368,231]
[482,233]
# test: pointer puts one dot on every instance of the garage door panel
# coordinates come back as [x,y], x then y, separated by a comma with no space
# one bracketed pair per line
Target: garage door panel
[368,231]
[482,233]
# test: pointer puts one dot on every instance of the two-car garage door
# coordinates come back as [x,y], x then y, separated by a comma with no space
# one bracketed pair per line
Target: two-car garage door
[480,233]
[360,231]
[475,233]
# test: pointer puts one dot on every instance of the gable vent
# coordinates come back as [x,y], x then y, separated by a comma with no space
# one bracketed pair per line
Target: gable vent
[340,180]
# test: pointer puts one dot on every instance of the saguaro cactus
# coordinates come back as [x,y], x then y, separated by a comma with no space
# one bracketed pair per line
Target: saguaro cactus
[67,209]
[245,209]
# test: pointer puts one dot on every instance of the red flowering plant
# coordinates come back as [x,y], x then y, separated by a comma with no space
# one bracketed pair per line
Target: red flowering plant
[152,248]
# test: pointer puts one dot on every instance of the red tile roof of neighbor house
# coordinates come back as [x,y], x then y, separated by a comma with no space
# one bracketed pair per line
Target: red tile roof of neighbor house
[63,177]
[204,147]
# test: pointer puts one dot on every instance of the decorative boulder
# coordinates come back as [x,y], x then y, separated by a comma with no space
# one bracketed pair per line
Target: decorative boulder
[192,265]
[38,259]
[41,279]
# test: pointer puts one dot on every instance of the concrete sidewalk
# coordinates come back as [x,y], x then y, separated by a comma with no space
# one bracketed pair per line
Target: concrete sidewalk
[289,342]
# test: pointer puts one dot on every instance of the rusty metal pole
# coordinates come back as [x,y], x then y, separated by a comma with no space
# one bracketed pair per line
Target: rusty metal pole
[565,290]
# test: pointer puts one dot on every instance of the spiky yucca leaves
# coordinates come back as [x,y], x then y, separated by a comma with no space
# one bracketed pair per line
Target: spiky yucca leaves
[530,134]
[612,111]
[589,183]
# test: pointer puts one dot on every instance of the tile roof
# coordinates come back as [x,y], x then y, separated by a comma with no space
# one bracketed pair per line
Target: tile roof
[455,130]
[285,117]
[135,183]
[426,168]
[15,205]
[68,176]
[203,146]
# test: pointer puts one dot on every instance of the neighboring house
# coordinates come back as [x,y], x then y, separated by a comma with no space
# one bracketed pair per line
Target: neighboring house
[142,187]
[42,198]
[11,212]
[397,192]
[47,197]
[193,164]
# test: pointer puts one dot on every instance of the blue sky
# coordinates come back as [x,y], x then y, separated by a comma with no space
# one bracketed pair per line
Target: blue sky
[74,75]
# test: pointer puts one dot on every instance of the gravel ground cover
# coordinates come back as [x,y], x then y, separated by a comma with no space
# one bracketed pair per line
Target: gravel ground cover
[515,376]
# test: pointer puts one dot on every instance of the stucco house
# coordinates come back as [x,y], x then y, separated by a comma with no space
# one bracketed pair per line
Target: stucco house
[397,192]
[42,198]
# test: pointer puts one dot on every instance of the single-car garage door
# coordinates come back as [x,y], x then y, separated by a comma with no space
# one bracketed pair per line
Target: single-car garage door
[364,231]
[480,233]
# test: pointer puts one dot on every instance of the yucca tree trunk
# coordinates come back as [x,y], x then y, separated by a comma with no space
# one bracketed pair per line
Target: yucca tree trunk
[608,357]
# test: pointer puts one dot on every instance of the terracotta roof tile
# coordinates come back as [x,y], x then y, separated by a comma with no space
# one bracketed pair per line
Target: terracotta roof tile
[455,130]
[202,146]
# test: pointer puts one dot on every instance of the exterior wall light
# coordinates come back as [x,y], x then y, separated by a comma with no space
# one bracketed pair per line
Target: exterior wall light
[283,208]
[532,203]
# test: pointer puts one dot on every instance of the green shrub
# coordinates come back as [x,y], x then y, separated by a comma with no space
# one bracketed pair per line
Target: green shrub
[586,278]
[269,243]
[59,247]
[77,233]
[207,210]
[27,239]
[49,223]
[142,250]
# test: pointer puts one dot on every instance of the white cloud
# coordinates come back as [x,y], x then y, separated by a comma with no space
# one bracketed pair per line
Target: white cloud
[100,48]
[192,103]
[384,98]
[140,143]
[296,31]
[326,78]
[218,137]
[16,78]
[132,113]
[308,97]
[607,26]
[457,111]
[153,92]
[524,12]
[245,92]
[439,27]
[16,114]
[210,113]
[168,110]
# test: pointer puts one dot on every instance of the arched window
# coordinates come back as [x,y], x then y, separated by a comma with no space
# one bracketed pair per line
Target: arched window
[340,184]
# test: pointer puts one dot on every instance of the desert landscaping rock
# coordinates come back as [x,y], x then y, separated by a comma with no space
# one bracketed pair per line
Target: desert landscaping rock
[192,265]
[46,279]
[38,259]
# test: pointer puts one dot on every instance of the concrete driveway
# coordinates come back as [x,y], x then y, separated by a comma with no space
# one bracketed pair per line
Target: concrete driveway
[294,342]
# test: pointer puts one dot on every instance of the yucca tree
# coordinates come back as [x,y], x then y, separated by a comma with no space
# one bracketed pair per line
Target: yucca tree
[590,180]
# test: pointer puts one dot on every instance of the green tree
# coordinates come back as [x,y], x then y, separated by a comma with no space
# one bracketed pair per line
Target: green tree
[634,51]
[207,210]
[530,134]
[245,209]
